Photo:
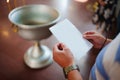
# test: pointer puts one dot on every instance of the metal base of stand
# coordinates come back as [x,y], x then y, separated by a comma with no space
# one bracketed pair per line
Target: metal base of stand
[42,60]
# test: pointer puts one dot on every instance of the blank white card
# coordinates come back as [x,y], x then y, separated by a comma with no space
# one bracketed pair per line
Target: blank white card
[67,33]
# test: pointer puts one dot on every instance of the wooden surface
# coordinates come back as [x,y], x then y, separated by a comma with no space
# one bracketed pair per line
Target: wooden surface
[13,47]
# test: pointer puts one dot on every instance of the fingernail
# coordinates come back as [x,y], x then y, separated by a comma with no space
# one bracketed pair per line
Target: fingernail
[84,35]
[60,47]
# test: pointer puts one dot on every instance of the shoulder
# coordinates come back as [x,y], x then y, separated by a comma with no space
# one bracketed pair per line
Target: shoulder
[107,65]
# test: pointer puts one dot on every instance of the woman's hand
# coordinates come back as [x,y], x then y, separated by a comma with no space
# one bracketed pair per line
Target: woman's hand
[62,55]
[95,38]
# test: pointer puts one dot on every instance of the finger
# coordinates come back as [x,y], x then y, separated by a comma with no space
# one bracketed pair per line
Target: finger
[60,47]
[91,41]
[89,32]
[92,37]
[64,46]
[57,48]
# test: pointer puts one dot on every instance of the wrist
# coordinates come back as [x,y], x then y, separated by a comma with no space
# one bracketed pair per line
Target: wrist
[67,63]
[108,41]
[69,69]
[104,42]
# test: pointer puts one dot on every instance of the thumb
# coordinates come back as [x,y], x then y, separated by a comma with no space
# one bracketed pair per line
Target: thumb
[89,37]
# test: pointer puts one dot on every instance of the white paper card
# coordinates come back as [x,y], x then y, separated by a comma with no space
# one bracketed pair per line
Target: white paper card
[67,33]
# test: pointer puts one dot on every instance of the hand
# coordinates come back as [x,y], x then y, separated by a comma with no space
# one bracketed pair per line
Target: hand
[95,38]
[62,55]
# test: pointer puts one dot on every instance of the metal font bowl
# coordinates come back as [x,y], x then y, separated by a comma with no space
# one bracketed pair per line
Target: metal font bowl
[33,21]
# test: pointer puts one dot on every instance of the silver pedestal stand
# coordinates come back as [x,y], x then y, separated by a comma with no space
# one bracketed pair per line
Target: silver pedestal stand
[38,56]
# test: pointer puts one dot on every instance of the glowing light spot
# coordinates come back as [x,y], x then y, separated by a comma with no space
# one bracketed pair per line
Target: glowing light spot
[5,33]
[7,1]
[81,1]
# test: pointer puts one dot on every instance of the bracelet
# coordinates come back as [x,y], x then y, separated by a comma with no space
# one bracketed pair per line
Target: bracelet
[66,70]
[104,43]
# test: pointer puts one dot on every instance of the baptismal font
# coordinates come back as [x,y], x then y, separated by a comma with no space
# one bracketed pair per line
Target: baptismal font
[33,23]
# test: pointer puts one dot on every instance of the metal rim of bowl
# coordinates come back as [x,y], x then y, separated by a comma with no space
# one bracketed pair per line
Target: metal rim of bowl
[35,26]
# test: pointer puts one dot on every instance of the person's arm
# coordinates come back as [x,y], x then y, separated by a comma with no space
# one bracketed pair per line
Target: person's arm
[74,75]
[63,56]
